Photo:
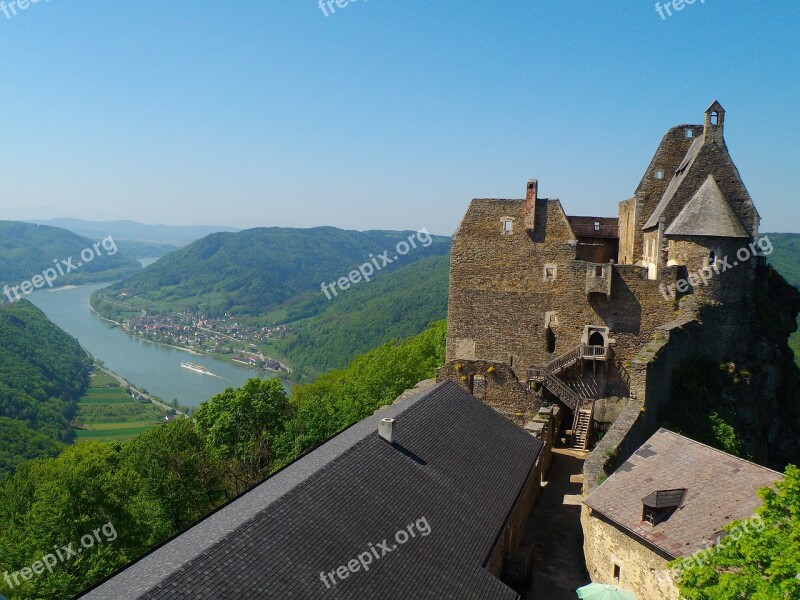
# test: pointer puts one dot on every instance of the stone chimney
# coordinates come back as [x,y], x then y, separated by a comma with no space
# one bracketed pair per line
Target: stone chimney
[386,430]
[530,204]
[714,124]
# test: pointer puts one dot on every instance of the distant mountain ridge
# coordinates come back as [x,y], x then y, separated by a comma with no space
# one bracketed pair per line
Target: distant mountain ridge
[175,235]
[254,271]
[275,276]
[26,250]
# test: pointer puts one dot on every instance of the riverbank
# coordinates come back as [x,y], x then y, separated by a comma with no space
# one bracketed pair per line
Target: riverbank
[155,366]
[112,410]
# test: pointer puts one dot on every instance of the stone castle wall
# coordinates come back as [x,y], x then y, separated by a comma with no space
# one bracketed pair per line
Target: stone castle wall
[496,384]
[642,567]
[507,290]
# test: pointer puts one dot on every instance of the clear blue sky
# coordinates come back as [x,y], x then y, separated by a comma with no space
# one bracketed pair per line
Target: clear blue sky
[386,114]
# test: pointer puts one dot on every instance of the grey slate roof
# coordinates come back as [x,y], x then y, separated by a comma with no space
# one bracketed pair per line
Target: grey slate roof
[676,181]
[708,213]
[720,488]
[455,462]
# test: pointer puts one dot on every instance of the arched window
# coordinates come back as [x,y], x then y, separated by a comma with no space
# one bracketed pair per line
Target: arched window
[597,339]
[551,340]
[659,174]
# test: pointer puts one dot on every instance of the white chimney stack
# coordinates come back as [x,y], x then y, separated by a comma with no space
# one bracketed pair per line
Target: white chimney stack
[386,430]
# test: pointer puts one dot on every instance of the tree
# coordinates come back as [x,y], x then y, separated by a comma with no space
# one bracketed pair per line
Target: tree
[240,427]
[176,469]
[758,559]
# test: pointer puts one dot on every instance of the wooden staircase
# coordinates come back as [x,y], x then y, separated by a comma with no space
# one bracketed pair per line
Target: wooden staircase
[582,427]
[547,376]
[583,407]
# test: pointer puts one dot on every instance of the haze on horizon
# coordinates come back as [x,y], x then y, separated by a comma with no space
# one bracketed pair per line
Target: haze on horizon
[382,115]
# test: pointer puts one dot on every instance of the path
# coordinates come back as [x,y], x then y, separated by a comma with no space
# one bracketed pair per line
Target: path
[559,567]
[125,384]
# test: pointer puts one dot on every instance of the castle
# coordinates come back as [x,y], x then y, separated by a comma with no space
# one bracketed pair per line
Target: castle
[546,306]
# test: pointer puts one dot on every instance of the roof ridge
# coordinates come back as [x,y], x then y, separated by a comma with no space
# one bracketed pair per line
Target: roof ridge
[717,450]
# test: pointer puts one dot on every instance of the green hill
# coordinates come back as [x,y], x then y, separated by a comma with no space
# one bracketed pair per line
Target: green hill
[258,270]
[269,276]
[786,260]
[393,307]
[43,371]
[27,250]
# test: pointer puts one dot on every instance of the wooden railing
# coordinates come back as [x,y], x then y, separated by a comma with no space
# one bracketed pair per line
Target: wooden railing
[537,373]
[594,352]
[547,374]
[585,404]
[565,361]
[562,391]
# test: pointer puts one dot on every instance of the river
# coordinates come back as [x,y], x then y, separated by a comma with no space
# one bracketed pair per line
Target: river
[154,367]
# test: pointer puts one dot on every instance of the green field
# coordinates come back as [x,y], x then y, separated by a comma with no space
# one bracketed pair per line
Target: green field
[112,395]
[120,434]
[106,411]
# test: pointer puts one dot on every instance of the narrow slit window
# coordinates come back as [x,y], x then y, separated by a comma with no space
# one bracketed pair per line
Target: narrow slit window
[617,573]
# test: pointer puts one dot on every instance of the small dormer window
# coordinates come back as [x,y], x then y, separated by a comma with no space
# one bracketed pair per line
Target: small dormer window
[597,225]
[508,225]
[659,174]
[689,134]
[659,506]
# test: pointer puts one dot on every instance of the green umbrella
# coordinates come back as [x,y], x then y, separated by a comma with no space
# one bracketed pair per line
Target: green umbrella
[599,591]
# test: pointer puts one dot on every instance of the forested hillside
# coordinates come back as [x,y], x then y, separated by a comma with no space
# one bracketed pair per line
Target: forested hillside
[786,260]
[43,371]
[27,250]
[168,477]
[398,305]
[258,270]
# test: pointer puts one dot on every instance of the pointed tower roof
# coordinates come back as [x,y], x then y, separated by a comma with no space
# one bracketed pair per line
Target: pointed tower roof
[708,214]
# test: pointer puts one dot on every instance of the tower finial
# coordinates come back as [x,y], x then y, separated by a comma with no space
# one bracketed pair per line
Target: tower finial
[714,123]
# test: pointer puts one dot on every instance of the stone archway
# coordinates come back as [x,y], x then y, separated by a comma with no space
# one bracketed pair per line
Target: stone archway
[597,339]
